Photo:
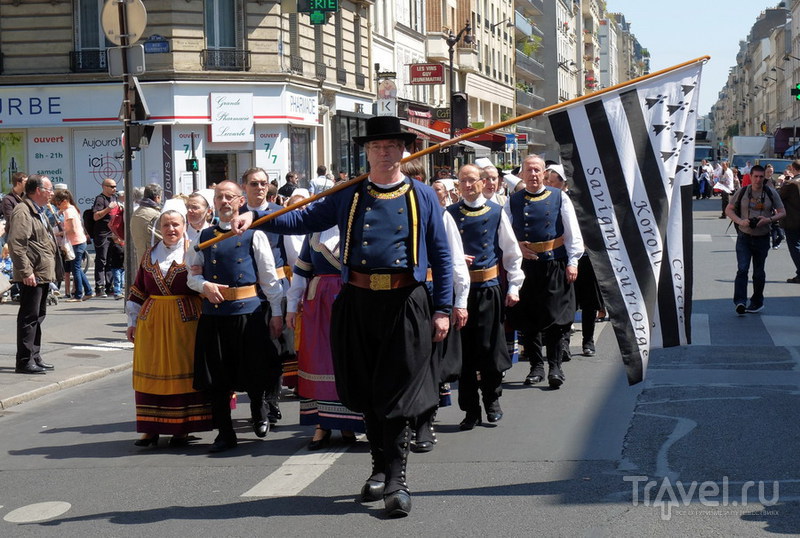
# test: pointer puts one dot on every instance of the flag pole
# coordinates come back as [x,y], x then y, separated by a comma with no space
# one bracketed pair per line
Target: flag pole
[449,142]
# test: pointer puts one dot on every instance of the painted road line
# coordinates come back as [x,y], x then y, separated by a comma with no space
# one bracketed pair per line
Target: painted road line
[782,329]
[296,473]
[702,238]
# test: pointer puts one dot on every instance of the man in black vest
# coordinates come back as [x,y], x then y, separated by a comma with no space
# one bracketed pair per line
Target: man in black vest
[233,351]
[546,227]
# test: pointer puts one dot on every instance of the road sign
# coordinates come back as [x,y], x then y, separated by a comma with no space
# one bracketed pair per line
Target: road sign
[135,55]
[136,18]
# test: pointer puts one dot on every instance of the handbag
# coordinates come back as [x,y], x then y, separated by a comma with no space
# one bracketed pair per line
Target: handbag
[5,283]
[66,248]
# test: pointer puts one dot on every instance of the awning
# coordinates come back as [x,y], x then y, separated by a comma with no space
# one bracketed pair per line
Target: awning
[439,136]
[791,151]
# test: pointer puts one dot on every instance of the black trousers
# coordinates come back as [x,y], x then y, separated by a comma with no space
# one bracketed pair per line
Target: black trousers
[32,310]
[103,277]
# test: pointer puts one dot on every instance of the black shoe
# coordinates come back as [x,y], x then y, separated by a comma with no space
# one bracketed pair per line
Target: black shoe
[793,280]
[29,369]
[740,309]
[494,416]
[261,428]
[421,446]
[45,365]
[533,378]
[177,441]
[349,439]
[147,441]
[273,413]
[372,491]
[470,421]
[754,309]
[723,217]
[322,442]
[555,380]
[588,349]
[222,444]
[397,504]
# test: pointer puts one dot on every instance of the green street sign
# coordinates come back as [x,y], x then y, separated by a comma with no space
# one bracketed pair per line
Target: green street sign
[317,9]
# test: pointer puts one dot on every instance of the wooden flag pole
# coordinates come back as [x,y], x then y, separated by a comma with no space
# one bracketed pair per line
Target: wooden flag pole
[447,143]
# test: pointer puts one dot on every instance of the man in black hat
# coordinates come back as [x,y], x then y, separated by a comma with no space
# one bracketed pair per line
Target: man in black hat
[382,326]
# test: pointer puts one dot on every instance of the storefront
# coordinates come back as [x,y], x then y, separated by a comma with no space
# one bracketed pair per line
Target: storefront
[72,133]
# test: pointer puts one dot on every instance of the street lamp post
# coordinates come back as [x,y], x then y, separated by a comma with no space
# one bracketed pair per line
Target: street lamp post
[452,41]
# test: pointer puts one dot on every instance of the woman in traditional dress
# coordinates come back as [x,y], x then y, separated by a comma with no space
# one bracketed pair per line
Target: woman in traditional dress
[162,321]
[316,282]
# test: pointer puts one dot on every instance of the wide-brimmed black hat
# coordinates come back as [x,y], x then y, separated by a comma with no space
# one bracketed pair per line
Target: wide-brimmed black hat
[384,128]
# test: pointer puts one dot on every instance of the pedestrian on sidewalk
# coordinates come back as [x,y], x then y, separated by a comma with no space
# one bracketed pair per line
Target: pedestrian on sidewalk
[34,254]
[73,228]
[790,195]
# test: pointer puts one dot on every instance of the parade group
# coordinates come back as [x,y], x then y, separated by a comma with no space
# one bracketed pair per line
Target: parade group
[385,289]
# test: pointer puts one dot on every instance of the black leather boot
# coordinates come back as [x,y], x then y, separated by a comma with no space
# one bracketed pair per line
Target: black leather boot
[374,486]
[397,499]
[426,435]
[555,377]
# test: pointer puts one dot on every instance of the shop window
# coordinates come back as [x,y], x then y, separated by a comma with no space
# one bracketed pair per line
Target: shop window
[224,31]
[90,41]
[300,153]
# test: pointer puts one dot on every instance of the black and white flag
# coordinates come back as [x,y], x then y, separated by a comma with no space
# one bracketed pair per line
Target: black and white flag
[631,153]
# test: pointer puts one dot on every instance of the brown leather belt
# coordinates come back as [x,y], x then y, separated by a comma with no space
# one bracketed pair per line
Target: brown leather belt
[281,271]
[429,275]
[484,275]
[544,246]
[381,281]
[237,294]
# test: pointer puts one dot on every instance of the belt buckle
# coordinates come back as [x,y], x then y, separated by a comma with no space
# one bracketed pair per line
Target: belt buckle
[380,282]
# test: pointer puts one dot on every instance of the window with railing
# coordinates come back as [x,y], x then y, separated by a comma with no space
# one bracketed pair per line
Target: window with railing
[224,32]
[90,40]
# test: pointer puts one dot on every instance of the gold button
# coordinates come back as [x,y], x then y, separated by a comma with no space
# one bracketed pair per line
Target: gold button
[485,245]
[363,262]
[365,243]
[366,226]
[399,228]
[397,262]
[213,261]
[216,306]
[400,210]
[369,209]
[238,243]
[240,275]
[239,260]
[214,277]
[213,246]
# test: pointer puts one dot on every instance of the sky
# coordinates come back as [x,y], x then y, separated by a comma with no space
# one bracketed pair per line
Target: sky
[675,31]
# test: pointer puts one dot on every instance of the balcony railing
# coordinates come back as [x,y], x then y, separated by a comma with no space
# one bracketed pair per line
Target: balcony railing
[321,70]
[87,61]
[533,6]
[529,100]
[529,65]
[225,59]
[296,64]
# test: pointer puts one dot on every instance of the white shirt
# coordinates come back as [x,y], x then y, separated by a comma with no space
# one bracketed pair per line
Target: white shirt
[330,239]
[319,184]
[193,235]
[265,264]
[573,239]
[512,255]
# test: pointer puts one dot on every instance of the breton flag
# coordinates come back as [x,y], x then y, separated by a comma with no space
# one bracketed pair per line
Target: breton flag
[631,152]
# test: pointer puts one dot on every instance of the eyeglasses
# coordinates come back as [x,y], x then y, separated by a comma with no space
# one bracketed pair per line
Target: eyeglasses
[50,189]
[257,183]
[110,186]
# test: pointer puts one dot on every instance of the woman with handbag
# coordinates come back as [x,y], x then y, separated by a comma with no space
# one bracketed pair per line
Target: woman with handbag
[76,239]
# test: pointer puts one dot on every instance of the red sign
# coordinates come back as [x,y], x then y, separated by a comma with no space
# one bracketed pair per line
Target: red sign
[522,138]
[426,74]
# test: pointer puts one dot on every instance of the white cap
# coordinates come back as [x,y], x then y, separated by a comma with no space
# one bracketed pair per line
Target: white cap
[448,183]
[511,181]
[558,169]
[59,186]
[175,204]
[303,193]
[208,194]
[483,162]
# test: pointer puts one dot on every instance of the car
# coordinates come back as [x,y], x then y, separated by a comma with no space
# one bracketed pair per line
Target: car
[778,165]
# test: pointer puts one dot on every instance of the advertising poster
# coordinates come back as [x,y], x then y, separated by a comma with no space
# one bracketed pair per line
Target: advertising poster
[98,155]
[272,150]
[12,157]
[48,155]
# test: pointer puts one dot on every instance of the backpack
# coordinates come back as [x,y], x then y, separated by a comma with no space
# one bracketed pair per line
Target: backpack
[88,222]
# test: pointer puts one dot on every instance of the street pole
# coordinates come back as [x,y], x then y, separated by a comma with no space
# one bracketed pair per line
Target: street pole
[128,90]
[452,41]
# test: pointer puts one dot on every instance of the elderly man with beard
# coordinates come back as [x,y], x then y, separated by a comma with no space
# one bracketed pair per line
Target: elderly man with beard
[233,351]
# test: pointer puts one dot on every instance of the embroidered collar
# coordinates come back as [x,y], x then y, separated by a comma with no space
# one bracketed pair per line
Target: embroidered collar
[388,194]
[531,197]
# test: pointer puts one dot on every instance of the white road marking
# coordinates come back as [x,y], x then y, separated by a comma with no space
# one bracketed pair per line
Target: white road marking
[111,346]
[701,330]
[782,329]
[37,512]
[702,238]
[296,473]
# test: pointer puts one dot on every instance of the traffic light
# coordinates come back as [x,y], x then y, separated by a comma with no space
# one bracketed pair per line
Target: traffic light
[192,165]
[460,117]
[796,91]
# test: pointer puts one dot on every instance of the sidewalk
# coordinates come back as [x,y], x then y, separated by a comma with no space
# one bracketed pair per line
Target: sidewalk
[84,341]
